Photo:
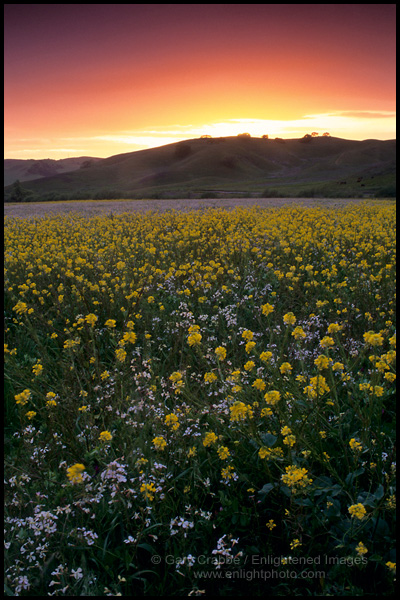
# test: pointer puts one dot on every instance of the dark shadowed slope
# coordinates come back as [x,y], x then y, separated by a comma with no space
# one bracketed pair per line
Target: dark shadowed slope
[221,162]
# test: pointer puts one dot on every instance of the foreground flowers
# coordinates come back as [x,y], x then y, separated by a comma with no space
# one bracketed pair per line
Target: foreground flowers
[23,397]
[220,352]
[105,436]
[172,378]
[74,473]
[296,478]
[357,511]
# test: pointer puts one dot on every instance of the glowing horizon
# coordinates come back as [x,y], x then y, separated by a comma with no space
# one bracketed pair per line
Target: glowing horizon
[100,80]
[121,142]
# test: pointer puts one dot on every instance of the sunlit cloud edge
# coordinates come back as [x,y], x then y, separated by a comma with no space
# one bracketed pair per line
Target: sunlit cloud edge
[356,125]
[348,124]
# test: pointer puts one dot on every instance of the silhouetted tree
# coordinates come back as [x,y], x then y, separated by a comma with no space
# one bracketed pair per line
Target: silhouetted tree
[244,135]
[326,134]
[17,193]
[264,137]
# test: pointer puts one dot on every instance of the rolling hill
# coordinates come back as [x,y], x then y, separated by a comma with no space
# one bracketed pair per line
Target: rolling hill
[30,169]
[232,164]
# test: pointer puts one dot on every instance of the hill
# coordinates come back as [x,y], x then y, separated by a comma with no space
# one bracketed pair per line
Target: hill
[30,169]
[231,165]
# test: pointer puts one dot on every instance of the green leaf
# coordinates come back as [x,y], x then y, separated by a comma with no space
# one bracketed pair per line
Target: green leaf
[336,489]
[303,502]
[323,482]
[268,439]
[286,490]
[8,591]
[351,476]
[382,527]
[370,499]
[323,485]
[147,547]
[379,492]
[266,489]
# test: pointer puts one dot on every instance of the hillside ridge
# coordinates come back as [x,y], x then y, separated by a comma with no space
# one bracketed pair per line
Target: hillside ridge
[229,163]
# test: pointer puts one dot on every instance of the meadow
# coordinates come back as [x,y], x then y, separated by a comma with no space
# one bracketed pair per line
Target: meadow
[201,402]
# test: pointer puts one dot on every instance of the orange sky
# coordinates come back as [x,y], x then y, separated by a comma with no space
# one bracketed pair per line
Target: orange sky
[98,80]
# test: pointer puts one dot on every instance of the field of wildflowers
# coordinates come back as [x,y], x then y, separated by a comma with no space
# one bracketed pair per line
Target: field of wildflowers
[201,403]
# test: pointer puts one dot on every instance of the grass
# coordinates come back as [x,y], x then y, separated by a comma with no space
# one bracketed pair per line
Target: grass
[201,403]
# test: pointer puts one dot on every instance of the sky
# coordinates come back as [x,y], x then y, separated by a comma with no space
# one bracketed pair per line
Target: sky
[104,79]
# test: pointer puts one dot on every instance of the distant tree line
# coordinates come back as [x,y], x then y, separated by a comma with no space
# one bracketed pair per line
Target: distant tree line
[306,138]
[309,136]
[17,193]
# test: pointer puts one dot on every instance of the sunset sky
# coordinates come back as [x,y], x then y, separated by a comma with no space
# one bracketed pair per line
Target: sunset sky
[103,79]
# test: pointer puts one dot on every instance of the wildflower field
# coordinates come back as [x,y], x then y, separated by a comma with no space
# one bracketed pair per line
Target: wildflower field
[201,403]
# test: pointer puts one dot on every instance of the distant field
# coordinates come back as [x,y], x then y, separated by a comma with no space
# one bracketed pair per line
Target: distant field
[92,208]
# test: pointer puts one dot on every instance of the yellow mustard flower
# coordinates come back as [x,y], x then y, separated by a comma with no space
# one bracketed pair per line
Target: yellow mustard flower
[172,421]
[223,452]
[361,549]
[159,443]
[286,368]
[210,438]
[148,490]
[240,411]
[23,397]
[220,353]
[259,384]
[354,445]
[247,335]
[194,339]
[105,436]
[267,309]
[289,318]
[91,319]
[357,511]
[74,473]
[272,397]
[266,356]
[298,333]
